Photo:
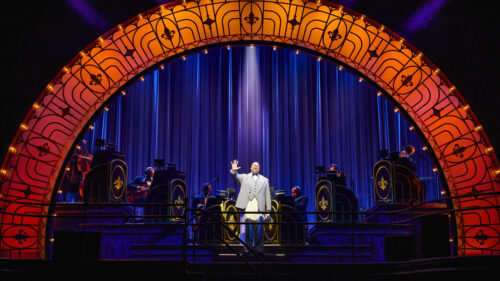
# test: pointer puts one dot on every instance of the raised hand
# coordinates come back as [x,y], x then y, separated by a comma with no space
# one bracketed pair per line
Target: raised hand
[234,165]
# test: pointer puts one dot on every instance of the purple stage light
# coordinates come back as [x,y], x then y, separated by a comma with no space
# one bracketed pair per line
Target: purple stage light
[89,14]
[424,15]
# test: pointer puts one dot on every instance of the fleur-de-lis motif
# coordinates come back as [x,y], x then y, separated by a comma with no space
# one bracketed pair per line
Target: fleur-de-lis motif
[21,237]
[458,150]
[43,149]
[168,34]
[382,183]
[323,203]
[95,79]
[118,183]
[251,19]
[179,201]
[231,224]
[481,237]
[406,80]
[334,35]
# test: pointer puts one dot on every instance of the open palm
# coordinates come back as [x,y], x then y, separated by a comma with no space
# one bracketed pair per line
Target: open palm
[234,165]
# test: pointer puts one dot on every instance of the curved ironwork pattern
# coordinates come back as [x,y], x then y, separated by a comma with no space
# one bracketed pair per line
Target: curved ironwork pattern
[39,150]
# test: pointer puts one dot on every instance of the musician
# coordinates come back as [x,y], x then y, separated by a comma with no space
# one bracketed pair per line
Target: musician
[71,181]
[140,186]
[254,196]
[300,202]
[207,190]
[71,188]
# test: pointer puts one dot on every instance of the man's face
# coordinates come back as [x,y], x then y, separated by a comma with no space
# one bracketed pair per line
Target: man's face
[255,168]
[295,193]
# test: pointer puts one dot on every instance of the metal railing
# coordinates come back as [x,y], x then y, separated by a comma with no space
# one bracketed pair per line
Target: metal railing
[190,220]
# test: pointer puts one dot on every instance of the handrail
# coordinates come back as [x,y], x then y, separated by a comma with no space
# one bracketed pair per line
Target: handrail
[218,222]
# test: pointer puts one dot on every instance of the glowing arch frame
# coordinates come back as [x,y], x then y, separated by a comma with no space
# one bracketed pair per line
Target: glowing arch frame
[81,89]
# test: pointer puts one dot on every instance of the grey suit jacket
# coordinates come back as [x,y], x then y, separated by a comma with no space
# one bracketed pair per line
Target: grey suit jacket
[263,191]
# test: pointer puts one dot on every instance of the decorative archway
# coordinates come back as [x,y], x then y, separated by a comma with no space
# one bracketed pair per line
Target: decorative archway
[63,111]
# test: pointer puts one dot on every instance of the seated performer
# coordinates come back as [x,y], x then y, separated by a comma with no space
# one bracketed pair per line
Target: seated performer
[300,202]
[207,190]
[138,189]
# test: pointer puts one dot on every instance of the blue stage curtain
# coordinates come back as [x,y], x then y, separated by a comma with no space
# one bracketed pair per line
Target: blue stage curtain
[287,111]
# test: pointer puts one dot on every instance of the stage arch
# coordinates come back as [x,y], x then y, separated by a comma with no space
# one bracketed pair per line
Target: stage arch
[64,110]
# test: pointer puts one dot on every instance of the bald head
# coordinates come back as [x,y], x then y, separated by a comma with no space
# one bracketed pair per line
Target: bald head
[255,168]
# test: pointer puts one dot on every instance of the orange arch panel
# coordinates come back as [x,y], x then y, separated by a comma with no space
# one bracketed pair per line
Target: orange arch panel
[63,110]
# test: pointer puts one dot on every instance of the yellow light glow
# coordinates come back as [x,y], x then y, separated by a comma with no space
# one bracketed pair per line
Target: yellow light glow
[274,48]
[12,149]
[50,88]
[396,110]
[162,67]
[142,78]
[123,93]
[319,58]
[24,127]
[478,128]
[65,69]
[452,89]
[3,172]
[411,128]
[91,127]
[360,79]
[36,106]
[489,149]
[379,94]
[467,107]
[434,170]
[424,148]
[297,52]
[206,51]
[107,109]
[341,67]
[228,47]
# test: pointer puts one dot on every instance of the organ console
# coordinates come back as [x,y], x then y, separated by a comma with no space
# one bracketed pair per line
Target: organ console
[395,181]
[107,179]
[169,187]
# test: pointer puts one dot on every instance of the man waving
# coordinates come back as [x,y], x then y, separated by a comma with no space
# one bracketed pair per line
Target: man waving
[254,196]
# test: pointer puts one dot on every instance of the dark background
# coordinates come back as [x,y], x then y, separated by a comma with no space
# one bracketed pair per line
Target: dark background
[40,37]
